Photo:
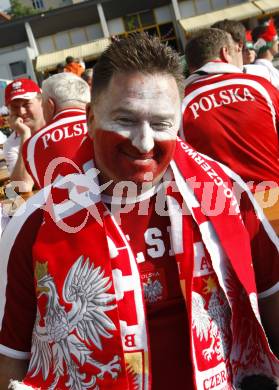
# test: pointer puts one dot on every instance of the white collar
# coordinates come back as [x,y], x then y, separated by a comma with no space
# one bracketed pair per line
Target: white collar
[211,68]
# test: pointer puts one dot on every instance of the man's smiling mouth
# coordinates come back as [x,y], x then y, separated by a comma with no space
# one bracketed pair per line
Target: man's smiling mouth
[138,157]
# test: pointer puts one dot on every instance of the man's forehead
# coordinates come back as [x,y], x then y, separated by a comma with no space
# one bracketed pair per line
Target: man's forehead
[142,86]
[136,75]
[20,101]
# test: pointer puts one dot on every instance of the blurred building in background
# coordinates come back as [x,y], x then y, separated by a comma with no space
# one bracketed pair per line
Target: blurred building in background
[45,5]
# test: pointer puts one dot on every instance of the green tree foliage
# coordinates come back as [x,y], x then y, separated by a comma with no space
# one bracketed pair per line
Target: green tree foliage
[17,9]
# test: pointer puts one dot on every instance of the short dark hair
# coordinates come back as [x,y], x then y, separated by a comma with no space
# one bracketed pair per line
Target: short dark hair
[257,32]
[137,53]
[204,46]
[236,29]
[69,59]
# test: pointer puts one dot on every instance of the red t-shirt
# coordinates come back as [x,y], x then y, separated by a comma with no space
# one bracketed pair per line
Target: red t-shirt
[233,118]
[60,140]
[149,237]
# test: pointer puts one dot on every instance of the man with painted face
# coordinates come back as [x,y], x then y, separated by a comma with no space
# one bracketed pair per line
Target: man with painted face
[139,283]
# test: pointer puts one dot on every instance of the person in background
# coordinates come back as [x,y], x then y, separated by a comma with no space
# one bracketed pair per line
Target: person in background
[249,53]
[81,62]
[159,296]
[60,67]
[87,76]
[238,33]
[241,111]
[24,101]
[64,98]
[73,67]
[4,125]
[3,138]
[266,45]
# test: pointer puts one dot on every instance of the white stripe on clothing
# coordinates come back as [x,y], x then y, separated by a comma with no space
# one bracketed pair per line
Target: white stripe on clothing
[9,236]
[12,353]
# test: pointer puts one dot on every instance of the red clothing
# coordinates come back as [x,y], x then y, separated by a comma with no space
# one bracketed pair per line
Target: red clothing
[233,118]
[60,265]
[166,312]
[75,68]
[61,139]
[165,306]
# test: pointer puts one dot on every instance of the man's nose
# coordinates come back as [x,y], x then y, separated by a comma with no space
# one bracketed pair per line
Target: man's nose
[21,111]
[143,139]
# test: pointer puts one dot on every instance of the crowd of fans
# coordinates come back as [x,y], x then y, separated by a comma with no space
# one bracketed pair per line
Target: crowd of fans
[153,265]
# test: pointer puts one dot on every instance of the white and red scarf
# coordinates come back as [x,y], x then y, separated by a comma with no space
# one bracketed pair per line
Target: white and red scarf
[91,325]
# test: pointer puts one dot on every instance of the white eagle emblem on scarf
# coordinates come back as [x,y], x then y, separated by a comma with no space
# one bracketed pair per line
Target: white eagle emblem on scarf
[85,289]
[212,324]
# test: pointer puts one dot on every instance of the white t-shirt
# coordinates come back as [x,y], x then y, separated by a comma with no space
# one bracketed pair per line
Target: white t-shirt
[258,70]
[11,151]
[273,72]
[3,138]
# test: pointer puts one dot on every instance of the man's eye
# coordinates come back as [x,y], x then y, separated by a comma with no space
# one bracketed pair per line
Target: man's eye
[161,125]
[126,121]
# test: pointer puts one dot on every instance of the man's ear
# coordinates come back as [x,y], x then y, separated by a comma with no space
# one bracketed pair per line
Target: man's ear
[240,46]
[51,106]
[90,119]
[225,54]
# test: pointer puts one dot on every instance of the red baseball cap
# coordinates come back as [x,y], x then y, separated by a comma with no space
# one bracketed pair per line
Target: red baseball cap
[21,89]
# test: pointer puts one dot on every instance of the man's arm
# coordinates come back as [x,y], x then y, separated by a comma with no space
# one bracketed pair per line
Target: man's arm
[19,172]
[11,369]
[18,295]
[269,310]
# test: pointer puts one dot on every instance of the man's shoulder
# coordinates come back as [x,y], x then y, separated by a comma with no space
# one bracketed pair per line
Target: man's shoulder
[246,75]
[229,81]
[12,142]
[64,118]
[12,139]
[24,225]
[258,70]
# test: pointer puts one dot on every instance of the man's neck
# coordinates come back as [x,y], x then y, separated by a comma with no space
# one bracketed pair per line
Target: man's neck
[130,196]
[267,55]
[38,126]
[127,189]
[73,104]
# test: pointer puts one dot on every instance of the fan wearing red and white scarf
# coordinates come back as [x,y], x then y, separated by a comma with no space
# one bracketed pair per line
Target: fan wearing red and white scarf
[230,281]
[89,313]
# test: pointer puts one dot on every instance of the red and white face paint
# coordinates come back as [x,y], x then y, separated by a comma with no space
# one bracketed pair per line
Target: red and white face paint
[134,125]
